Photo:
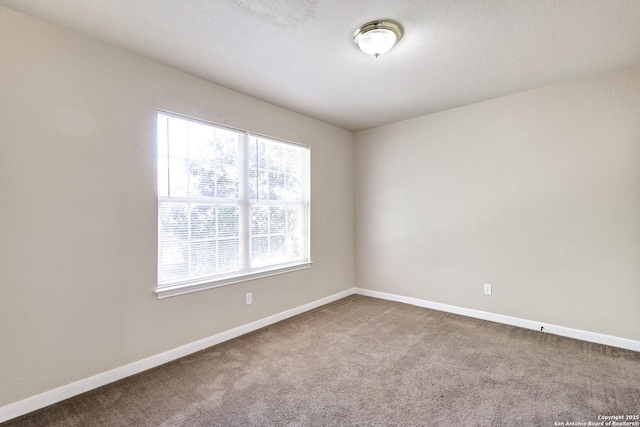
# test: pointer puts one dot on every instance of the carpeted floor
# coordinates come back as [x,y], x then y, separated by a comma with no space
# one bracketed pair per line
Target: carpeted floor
[366,362]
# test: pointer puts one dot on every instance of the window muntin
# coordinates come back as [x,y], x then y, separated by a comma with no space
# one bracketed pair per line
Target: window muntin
[229,203]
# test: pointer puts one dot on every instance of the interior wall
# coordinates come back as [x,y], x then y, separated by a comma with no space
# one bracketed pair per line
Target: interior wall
[537,194]
[78,217]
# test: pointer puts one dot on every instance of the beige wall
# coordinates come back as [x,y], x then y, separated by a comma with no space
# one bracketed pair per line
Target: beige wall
[536,193]
[78,209]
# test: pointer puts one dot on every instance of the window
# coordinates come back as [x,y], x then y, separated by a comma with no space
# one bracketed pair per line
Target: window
[232,206]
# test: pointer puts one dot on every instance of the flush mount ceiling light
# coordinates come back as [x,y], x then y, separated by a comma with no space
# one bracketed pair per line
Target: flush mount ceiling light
[377,37]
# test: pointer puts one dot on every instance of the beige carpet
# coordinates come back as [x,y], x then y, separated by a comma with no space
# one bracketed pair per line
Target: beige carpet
[367,362]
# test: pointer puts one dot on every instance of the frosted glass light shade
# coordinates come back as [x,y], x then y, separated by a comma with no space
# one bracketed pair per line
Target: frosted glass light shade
[378,37]
[377,42]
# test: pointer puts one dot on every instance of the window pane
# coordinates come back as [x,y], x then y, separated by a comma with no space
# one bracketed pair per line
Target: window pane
[163,176]
[261,147]
[293,219]
[253,184]
[276,235]
[276,170]
[293,188]
[228,255]
[294,246]
[213,178]
[227,181]
[278,220]
[228,221]
[259,220]
[275,156]
[276,186]
[203,222]
[163,141]
[178,138]
[259,252]
[173,261]
[201,140]
[292,159]
[203,258]
[201,176]
[263,185]
[178,178]
[278,249]
[204,161]
[173,223]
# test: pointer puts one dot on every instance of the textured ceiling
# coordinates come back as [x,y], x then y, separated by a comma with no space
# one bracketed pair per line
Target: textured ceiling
[299,54]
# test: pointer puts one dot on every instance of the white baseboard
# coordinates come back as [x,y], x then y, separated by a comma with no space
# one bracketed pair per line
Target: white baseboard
[514,321]
[50,397]
[61,393]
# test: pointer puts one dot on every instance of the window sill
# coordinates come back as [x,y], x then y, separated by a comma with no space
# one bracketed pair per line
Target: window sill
[175,290]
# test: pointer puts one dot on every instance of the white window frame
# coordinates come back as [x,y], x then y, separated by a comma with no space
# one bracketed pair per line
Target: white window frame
[248,273]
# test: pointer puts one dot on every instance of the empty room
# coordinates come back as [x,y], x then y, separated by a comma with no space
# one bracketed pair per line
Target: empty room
[319,213]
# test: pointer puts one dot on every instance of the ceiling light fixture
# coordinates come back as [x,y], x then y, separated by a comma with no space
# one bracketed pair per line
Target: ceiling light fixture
[377,37]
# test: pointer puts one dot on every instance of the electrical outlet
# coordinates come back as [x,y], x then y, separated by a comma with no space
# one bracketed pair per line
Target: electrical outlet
[487,289]
[248,299]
